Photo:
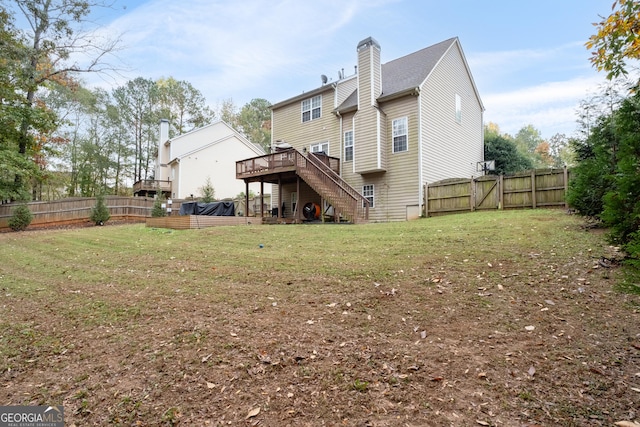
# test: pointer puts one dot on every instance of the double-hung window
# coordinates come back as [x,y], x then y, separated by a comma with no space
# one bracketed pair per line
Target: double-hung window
[368,193]
[400,138]
[348,146]
[321,147]
[312,108]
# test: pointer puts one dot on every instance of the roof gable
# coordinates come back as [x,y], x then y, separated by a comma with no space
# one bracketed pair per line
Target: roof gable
[408,72]
[229,132]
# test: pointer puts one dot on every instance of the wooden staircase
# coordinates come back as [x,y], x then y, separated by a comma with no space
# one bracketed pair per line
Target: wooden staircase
[346,200]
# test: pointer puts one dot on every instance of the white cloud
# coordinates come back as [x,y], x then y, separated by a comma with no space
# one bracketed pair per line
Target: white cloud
[549,106]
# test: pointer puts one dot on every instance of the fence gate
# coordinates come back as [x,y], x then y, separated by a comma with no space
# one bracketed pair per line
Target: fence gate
[530,189]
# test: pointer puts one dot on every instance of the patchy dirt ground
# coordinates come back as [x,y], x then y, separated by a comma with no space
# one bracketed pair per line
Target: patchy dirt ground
[520,336]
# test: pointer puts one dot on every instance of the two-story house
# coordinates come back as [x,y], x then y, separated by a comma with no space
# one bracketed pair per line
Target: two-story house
[185,163]
[386,130]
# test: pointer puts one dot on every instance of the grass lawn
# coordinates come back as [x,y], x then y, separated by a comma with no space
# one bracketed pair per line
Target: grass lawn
[490,318]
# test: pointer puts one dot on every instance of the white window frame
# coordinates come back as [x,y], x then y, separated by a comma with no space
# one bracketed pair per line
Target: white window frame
[368,192]
[321,146]
[311,108]
[458,109]
[400,129]
[348,146]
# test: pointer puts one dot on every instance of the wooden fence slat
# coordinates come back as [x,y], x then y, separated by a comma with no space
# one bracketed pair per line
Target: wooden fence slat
[531,189]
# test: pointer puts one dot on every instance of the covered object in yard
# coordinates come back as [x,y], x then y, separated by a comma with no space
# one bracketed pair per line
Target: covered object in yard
[210,209]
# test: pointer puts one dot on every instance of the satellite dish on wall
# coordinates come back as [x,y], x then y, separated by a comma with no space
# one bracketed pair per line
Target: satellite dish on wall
[324,79]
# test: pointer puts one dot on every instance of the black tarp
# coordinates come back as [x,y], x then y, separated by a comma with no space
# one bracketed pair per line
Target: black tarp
[210,209]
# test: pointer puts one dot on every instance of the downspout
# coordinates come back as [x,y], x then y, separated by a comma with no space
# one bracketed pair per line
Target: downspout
[341,141]
[378,132]
[421,196]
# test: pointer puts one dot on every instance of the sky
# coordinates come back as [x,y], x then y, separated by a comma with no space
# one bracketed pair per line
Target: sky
[527,57]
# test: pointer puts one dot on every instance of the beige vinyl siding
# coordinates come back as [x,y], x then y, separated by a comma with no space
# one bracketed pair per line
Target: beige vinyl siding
[402,172]
[345,88]
[287,125]
[398,187]
[450,149]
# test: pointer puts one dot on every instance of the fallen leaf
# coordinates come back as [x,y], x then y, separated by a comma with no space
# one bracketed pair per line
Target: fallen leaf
[252,413]
[627,424]
[423,334]
[530,328]
[532,371]
[437,379]
[483,423]
[210,385]
[635,389]
[482,375]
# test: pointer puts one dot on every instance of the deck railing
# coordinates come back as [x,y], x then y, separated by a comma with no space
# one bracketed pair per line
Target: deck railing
[151,185]
[320,171]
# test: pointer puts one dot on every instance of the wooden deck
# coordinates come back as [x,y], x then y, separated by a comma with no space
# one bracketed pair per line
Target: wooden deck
[271,167]
[146,187]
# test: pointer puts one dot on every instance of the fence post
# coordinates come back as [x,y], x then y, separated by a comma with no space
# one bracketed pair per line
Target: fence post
[425,203]
[472,195]
[566,186]
[533,189]
[501,192]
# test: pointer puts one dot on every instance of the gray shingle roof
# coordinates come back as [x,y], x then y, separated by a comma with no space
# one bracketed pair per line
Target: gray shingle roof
[409,71]
[405,73]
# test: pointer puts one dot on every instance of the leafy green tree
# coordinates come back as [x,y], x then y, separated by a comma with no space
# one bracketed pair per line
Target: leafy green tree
[500,148]
[228,112]
[183,105]
[21,218]
[136,103]
[622,203]
[254,122]
[55,44]
[100,212]
[594,173]
[617,39]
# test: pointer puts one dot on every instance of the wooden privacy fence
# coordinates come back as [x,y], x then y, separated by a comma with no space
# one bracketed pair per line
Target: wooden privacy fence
[533,189]
[79,209]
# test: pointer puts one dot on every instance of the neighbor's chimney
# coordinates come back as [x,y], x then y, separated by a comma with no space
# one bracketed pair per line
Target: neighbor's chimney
[162,170]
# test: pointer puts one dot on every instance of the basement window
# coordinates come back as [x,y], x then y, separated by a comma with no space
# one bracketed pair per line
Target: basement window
[312,108]
[368,193]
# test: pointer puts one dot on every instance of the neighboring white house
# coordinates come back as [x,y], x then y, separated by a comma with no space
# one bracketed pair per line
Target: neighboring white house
[212,151]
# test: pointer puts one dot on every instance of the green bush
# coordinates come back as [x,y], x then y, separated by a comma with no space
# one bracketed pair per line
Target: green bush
[21,218]
[100,212]
[158,211]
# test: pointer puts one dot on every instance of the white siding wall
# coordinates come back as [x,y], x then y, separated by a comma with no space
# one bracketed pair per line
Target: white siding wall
[194,140]
[218,162]
[450,149]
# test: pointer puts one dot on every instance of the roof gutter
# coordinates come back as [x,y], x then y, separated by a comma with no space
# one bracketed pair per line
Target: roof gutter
[414,91]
